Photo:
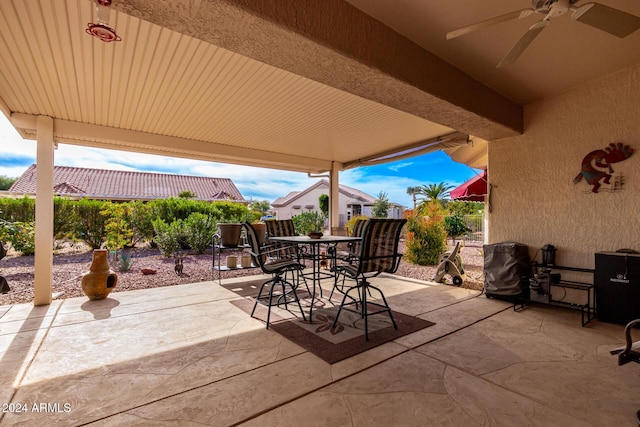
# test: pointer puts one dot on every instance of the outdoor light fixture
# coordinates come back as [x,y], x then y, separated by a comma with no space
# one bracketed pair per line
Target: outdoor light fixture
[102,30]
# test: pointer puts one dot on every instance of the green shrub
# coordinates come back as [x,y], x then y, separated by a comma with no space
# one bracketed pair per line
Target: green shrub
[426,236]
[200,229]
[63,227]
[455,225]
[233,212]
[118,229]
[171,209]
[323,203]
[169,237]
[308,222]
[18,210]
[380,208]
[21,236]
[140,221]
[352,222]
[89,223]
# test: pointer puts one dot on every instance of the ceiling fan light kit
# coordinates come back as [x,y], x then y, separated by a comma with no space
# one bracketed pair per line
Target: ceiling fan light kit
[596,15]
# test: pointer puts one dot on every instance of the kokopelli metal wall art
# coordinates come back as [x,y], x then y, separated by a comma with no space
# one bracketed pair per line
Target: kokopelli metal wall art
[596,166]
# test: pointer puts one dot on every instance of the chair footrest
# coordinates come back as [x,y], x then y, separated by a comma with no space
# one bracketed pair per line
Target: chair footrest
[384,308]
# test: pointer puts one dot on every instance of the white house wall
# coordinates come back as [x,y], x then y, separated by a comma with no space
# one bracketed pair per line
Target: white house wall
[534,200]
[308,199]
[311,198]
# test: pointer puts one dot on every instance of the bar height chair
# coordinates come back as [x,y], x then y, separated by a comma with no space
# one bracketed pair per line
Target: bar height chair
[277,290]
[285,228]
[378,253]
[630,352]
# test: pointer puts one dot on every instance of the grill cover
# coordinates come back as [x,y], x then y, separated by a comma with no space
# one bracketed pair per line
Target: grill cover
[507,268]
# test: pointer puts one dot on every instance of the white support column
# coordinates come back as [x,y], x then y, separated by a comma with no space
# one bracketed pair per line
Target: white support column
[334,196]
[43,267]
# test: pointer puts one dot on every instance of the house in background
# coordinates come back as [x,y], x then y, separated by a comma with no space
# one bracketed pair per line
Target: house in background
[76,183]
[352,203]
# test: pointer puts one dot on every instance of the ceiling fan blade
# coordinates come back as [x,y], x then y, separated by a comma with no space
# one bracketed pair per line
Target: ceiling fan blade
[608,19]
[518,14]
[523,43]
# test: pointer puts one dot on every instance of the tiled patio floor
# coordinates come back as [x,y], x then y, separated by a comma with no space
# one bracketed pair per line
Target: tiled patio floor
[184,355]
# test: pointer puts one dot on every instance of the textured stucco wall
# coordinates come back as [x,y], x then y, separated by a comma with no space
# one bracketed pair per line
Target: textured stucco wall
[311,198]
[534,200]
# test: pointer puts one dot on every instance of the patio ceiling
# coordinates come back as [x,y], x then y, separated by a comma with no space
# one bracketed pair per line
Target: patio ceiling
[286,84]
[163,90]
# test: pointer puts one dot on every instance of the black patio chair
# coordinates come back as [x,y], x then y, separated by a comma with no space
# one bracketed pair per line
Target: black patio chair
[630,352]
[4,285]
[378,253]
[285,228]
[277,290]
[346,254]
[282,228]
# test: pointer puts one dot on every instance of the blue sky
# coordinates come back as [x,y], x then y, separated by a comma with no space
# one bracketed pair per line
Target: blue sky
[254,183]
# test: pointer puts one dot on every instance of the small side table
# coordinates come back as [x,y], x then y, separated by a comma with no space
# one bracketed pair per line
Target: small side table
[216,255]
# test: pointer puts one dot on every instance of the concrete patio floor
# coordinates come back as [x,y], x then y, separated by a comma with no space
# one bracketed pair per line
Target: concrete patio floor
[184,355]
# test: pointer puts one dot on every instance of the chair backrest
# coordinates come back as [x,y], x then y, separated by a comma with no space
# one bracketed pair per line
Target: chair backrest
[282,228]
[259,258]
[358,228]
[379,247]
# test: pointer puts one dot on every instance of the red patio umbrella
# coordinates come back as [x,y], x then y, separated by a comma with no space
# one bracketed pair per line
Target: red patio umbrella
[472,190]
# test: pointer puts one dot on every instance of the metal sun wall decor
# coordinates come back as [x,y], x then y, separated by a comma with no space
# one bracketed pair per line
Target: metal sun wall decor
[596,166]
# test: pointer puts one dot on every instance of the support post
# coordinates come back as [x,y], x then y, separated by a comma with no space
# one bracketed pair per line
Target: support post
[334,196]
[43,263]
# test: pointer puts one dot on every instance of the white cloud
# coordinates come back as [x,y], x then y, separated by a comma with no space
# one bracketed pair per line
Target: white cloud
[397,166]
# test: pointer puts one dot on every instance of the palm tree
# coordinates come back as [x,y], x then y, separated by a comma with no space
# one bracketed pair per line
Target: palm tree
[413,192]
[436,192]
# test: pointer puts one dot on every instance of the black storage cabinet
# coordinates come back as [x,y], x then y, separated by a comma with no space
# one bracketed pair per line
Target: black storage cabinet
[617,283]
[507,269]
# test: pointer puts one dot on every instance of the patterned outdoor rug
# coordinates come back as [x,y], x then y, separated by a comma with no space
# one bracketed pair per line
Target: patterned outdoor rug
[331,345]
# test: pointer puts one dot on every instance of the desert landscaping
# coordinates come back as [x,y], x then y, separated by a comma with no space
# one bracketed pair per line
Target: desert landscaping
[71,261]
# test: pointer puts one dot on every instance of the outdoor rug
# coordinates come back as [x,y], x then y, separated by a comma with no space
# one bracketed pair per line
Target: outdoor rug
[331,345]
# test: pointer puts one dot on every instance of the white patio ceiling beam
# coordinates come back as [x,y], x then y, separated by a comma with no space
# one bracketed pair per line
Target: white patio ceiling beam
[334,43]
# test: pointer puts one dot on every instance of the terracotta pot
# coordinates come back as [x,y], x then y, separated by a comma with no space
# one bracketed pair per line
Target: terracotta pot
[261,231]
[230,235]
[100,280]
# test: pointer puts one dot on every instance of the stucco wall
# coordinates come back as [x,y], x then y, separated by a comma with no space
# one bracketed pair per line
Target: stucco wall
[534,200]
[311,198]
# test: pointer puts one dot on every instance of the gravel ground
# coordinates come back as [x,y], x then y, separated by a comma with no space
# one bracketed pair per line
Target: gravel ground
[70,262]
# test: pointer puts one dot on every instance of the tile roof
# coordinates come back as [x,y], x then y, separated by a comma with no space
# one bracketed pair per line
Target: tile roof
[125,185]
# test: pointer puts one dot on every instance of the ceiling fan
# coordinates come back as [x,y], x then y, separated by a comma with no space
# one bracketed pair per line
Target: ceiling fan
[605,18]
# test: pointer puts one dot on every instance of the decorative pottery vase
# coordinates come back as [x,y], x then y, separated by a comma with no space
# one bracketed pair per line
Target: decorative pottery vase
[100,280]
[230,234]
[245,261]
[232,261]
[261,231]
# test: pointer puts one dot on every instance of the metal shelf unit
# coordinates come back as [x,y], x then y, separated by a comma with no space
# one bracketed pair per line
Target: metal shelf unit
[588,310]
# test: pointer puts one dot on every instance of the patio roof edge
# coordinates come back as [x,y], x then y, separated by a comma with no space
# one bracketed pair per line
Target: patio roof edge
[106,137]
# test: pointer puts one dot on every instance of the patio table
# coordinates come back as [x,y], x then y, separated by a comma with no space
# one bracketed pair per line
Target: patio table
[315,255]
